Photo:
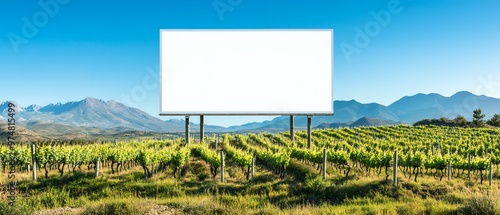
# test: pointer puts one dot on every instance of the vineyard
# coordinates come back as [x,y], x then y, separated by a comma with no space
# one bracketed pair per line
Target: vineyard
[433,153]
[423,151]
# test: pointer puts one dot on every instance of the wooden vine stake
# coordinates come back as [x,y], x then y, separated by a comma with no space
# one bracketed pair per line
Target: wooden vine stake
[96,168]
[324,164]
[33,159]
[395,169]
[222,166]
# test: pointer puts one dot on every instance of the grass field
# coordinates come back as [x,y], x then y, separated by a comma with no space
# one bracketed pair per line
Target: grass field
[302,191]
[297,188]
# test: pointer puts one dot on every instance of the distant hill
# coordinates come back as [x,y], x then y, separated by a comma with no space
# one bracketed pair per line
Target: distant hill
[333,125]
[409,109]
[428,106]
[352,110]
[366,121]
[21,134]
[344,112]
[61,129]
[363,121]
[91,114]
[180,125]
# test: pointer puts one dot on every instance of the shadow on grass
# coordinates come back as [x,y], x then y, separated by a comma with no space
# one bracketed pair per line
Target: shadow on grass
[316,191]
[85,184]
[299,171]
[301,186]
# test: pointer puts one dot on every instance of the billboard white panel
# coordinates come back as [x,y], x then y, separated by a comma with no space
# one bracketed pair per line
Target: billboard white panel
[246,72]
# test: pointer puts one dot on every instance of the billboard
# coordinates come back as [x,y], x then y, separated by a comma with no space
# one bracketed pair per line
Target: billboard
[246,72]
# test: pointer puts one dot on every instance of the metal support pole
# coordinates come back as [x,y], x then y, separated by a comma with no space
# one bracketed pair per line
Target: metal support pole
[449,170]
[253,166]
[217,142]
[309,128]
[291,128]
[222,166]
[490,176]
[468,169]
[187,130]
[324,163]
[202,128]
[395,169]
[96,168]
[33,159]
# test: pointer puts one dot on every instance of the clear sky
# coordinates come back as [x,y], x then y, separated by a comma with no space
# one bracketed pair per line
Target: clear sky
[66,50]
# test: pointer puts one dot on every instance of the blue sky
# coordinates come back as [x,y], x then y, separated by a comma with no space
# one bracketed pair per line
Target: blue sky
[58,51]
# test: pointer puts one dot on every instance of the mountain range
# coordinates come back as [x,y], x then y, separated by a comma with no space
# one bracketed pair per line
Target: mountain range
[94,115]
[408,109]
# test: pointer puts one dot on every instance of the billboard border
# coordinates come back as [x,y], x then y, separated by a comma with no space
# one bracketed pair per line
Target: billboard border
[252,113]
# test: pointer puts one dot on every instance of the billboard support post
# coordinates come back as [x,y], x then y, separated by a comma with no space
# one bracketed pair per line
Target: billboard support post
[202,128]
[309,131]
[187,130]
[291,128]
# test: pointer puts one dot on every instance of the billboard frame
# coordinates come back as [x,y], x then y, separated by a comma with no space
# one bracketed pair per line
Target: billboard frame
[249,113]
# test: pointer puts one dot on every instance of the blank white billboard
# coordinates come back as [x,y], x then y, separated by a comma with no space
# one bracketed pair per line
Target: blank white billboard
[246,72]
